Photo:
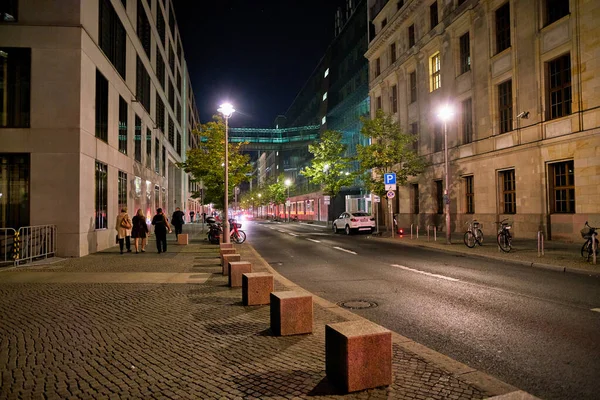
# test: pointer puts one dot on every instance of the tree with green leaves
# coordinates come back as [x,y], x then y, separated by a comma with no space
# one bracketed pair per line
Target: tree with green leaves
[206,163]
[277,191]
[391,150]
[329,168]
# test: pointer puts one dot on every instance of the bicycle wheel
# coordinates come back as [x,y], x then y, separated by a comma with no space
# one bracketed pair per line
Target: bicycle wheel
[469,239]
[479,237]
[586,251]
[239,237]
[504,242]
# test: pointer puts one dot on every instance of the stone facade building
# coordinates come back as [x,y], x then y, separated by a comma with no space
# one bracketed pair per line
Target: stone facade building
[96,109]
[523,79]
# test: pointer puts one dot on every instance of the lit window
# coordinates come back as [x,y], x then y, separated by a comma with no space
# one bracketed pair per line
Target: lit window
[324,96]
[435,72]
[323,120]
[326,73]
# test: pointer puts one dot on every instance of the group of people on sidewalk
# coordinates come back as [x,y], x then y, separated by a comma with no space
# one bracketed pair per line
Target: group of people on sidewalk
[137,228]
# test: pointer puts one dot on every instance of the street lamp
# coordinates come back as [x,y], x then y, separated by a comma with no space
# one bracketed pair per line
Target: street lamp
[288,183]
[259,205]
[227,110]
[445,114]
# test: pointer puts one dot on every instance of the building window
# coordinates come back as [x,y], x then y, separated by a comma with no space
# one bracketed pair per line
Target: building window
[393,54]
[469,195]
[394,99]
[160,26]
[9,11]
[101,203]
[172,21]
[137,139]
[15,91]
[148,148]
[433,15]
[559,87]
[324,96]
[323,120]
[562,187]
[439,190]
[460,2]
[172,59]
[164,161]
[467,120]
[378,104]
[164,197]
[438,137]
[178,148]
[383,23]
[413,86]
[156,196]
[411,36]
[171,94]
[399,5]
[142,85]
[435,72]
[101,107]
[377,67]
[414,191]
[122,190]
[326,73]
[143,28]
[171,132]
[465,53]
[505,106]
[160,69]
[160,113]
[503,28]
[122,125]
[414,131]
[555,10]
[112,36]
[156,156]
[179,113]
[508,201]
[15,188]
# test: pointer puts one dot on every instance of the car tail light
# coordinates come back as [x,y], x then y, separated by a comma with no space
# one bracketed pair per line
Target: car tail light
[372,219]
[353,219]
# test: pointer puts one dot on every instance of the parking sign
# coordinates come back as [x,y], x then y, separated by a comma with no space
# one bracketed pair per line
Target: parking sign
[389,179]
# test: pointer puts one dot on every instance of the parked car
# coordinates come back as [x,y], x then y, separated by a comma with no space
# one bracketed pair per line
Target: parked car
[357,221]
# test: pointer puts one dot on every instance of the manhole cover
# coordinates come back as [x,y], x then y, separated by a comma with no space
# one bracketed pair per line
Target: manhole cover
[357,304]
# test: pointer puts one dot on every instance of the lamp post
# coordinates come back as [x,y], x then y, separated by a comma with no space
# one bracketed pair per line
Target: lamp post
[288,183]
[445,114]
[227,110]
[259,205]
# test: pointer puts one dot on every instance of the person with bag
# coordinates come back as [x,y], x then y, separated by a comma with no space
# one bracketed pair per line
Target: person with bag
[177,221]
[161,227]
[123,227]
[139,230]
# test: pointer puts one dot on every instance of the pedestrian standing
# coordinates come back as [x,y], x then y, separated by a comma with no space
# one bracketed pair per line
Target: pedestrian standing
[161,227]
[123,227]
[139,231]
[192,213]
[177,221]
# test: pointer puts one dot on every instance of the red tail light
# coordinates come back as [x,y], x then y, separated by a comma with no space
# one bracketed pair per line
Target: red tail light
[353,219]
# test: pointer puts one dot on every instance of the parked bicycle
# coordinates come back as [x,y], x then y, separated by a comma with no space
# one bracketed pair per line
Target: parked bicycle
[504,236]
[236,234]
[473,235]
[589,234]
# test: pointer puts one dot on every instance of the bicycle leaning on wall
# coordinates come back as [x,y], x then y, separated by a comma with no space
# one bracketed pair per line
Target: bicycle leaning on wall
[473,235]
[589,234]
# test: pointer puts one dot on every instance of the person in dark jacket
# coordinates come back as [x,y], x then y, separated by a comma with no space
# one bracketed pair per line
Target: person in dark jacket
[139,230]
[177,221]
[161,227]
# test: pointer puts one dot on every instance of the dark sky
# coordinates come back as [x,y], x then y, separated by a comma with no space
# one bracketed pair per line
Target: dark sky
[257,54]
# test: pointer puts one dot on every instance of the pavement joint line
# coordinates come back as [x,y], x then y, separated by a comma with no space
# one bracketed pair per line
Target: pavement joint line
[313,240]
[425,273]
[342,249]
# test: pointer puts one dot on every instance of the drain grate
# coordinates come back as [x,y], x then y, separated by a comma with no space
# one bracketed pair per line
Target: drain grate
[357,304]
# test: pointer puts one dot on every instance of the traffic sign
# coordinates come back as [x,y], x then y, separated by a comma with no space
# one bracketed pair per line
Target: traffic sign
[376,199]
[389,179]
[390,194]
[391,186]
[326,200]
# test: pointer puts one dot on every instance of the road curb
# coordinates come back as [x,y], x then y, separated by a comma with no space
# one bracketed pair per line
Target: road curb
[484,382]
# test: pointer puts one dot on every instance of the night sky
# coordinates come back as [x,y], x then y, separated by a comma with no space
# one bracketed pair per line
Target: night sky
[257,54]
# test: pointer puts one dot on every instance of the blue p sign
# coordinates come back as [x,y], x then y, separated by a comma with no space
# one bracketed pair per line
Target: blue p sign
[389,179]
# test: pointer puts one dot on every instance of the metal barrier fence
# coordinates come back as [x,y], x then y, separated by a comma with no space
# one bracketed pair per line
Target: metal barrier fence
[27,244]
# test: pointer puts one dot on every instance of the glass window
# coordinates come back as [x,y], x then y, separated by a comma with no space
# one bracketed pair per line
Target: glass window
[172,20]
[394,99]
[413,86]
[555,10]
[467,121]
[143,27]
[179,113]
[411,36]
[465,53]
[160,69]
[439,196]
[324,96]
[377,67]
[393,54]
[137,139]
[101,203]
[171,94]
[101,107]
[433,15]
[438,137]
[164,161]
[562,187]
[326,73]
[378,104]
[178,148]
[415,198]
[148,148]
[171,132]
[160,26]
[122,189]
[142,85]
[160,114]
[156,196]
[172,60]
[505,106]
[470,195]
[15,92]
[503,28]
[112,37]
[508,200]
[435,72]
[156,156]
[14,190]
[323,120]
[559,86]
[122,125]
[414,131]
[9,11]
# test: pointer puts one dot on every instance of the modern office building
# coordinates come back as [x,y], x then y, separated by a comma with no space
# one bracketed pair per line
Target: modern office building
[96,109]
[522,77]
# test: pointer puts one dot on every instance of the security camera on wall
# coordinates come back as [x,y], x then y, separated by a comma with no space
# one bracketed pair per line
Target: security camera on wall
[524,115]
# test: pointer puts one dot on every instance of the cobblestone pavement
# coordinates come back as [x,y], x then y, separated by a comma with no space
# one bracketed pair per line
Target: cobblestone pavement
[65,338]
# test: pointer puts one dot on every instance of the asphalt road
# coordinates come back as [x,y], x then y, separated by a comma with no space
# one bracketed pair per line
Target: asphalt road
[533,328]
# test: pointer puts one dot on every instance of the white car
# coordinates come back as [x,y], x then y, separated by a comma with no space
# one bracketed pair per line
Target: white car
[355,221]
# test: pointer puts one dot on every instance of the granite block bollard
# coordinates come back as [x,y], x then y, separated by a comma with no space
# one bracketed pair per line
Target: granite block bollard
[182,238]
[291,313]
[228,258]
[257,288]
[236,269]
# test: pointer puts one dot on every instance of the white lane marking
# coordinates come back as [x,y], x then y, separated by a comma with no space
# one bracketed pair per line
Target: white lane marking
[596,309]
[426,273]
[292,234]
[280,230]
[347,251]
[313,240]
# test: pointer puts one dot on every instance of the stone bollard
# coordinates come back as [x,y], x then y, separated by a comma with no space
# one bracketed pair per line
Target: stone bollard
[226,246]
[182,238]
[236,269]
[291,313]
[256,288]
[228,258]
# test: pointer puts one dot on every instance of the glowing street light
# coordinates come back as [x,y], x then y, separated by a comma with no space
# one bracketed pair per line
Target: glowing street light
[445,114]
[227,110]
[259,205]
[288,183]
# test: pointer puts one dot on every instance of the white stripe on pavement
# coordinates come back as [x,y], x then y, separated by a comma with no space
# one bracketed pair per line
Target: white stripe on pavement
[313,240]
[292,234]
[280,230]
[347,251]
[426,273]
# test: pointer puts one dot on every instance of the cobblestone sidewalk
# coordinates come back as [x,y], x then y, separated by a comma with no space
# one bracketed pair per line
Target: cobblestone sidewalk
[185,335]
